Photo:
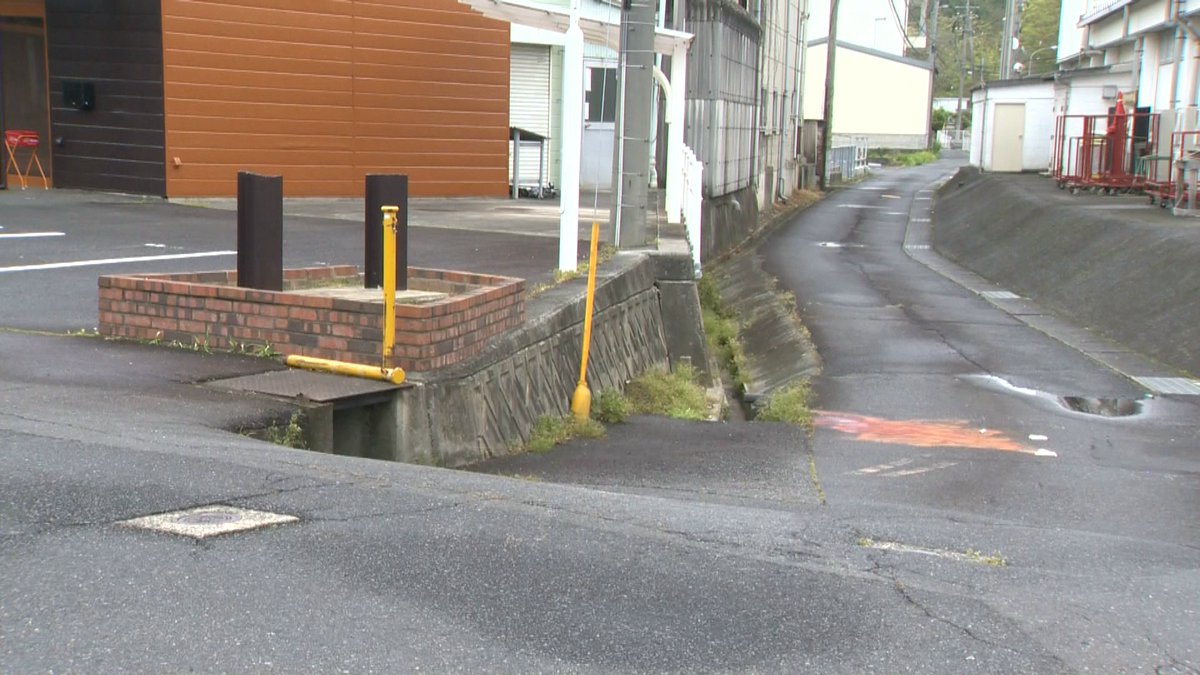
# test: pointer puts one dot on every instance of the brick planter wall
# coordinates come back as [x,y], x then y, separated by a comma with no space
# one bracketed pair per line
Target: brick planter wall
[209,307]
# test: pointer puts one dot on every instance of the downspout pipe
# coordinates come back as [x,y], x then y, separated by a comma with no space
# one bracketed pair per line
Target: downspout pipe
[780,193]
[1180,38]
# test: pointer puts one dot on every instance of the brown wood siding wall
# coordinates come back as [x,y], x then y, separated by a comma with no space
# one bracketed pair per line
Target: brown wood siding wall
[326,91]
[117,45]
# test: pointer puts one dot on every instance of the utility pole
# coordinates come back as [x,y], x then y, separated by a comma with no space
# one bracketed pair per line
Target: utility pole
[1006,44]
[962,70]
[632,146]
[827,134]
[931,31]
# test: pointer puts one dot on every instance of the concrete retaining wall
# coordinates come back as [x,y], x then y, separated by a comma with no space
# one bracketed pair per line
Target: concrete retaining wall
[1132,274]
[487,406]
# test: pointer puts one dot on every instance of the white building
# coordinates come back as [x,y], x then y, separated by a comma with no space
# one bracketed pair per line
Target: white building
[1146,50]
[879,98]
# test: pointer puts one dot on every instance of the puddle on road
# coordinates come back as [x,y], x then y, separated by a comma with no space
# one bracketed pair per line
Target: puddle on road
[1104,407]
[1085,405]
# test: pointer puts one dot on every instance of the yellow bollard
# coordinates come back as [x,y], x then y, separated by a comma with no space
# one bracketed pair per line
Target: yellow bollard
[389,283]
[581,401]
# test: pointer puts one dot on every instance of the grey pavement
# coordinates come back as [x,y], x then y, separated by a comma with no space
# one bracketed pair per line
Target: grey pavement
[667,547]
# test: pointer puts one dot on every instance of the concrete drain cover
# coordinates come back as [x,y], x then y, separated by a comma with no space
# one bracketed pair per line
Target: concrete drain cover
[208,521]
[1170,385]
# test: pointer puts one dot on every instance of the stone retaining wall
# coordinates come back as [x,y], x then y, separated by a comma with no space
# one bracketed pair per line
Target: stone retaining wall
[1132,272]
[487,406]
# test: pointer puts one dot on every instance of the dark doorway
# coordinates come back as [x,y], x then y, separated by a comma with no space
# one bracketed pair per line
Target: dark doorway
[23,90]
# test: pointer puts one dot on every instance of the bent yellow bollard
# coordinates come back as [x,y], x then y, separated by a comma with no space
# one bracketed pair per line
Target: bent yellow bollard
[384,372]
[581,401]
[393,375]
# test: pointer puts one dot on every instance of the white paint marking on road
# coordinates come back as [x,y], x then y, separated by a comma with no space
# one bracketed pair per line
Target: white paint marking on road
[916,472]
[209,521]
[917,247]
[999,295]
[923,199]
[838,244]
[1042,452]
[922,220]
[895,213]
[156,245]
[115,261]
[884,467]
[1038,437]
[858,206]
[889,196]
[872,187]
[970,556]
[31,235]
[1170,385]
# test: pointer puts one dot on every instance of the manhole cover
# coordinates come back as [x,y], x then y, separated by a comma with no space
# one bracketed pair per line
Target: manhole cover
[208,521]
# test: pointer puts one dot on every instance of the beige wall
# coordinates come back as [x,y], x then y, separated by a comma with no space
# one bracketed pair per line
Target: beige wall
[326,91]
[871,96]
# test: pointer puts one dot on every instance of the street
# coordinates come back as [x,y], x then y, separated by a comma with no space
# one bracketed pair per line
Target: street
[948,515]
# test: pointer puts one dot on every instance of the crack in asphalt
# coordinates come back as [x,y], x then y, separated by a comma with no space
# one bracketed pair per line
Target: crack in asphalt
[903,592]
[1173,666]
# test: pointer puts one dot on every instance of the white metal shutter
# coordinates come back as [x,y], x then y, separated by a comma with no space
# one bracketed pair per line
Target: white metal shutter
[529,105]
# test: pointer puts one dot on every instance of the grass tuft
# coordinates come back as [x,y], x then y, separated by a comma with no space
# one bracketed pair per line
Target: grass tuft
[790,405]
[610,407]
[550,431]
[675,394]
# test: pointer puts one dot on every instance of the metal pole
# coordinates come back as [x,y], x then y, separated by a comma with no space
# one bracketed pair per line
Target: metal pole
[637,48]
[572,139]
[932,31]
[383,189]
[260,231]
[830,57]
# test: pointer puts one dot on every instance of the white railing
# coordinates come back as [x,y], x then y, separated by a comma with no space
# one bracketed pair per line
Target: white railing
[693,200]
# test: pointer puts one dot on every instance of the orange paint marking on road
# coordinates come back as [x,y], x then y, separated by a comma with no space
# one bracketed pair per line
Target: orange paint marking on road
[918,433]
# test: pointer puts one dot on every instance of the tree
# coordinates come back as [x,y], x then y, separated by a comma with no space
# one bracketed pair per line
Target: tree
[1039,34]
[939,118]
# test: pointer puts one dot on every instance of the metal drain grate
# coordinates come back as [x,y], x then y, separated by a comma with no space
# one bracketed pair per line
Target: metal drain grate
[208,521]
[1170,385]
[1000,295]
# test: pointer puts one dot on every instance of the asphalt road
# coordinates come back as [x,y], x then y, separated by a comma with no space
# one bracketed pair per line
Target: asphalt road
[54,244]
[946,465]
[668,547]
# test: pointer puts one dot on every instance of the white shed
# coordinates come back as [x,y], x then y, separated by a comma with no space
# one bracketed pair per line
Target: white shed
[1013,125]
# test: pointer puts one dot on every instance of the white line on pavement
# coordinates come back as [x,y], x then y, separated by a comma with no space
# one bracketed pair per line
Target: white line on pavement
[115,261]
[30,235]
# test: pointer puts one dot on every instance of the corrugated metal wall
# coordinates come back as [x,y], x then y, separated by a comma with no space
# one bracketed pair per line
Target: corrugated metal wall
[722,100]
[325,91]
[116,47]
[529,106]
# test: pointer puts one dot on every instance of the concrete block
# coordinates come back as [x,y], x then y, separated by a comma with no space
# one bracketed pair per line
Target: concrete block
[683,327]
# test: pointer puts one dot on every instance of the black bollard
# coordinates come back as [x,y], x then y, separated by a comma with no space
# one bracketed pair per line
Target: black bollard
[260,231]
[385,190]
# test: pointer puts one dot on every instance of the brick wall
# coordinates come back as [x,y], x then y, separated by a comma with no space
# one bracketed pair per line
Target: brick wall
[208,307]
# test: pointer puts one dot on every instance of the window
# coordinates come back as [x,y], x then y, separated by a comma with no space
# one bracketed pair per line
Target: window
[602,94]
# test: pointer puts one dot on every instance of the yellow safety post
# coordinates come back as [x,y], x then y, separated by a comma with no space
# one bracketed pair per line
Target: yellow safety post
[389,282]
[581,401]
